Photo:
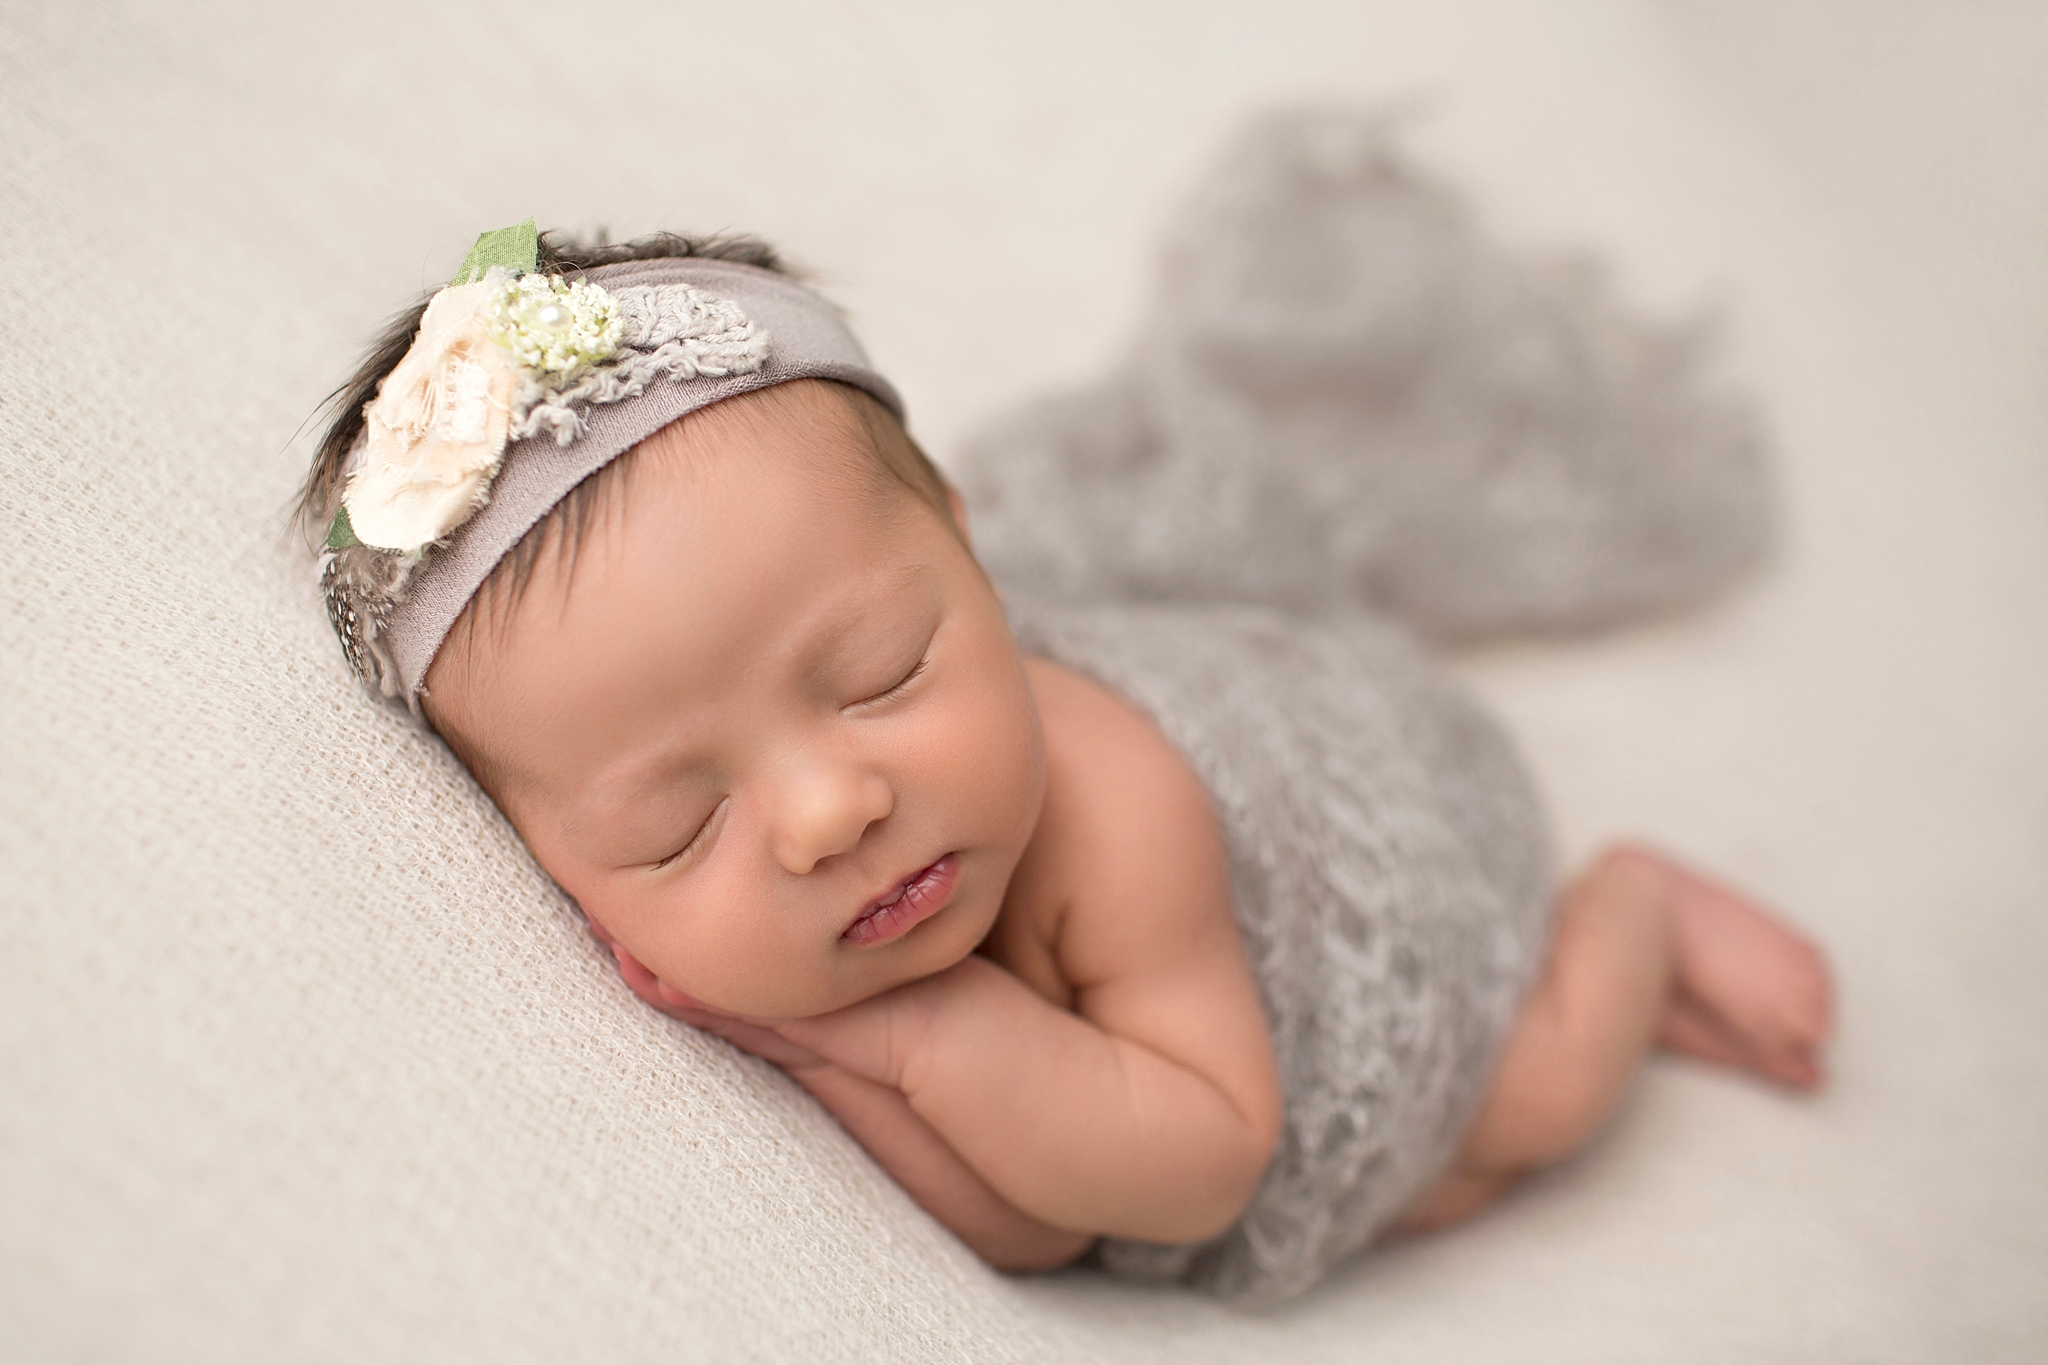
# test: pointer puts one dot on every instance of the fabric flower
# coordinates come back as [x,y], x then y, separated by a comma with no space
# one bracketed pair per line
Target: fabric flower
[437,427]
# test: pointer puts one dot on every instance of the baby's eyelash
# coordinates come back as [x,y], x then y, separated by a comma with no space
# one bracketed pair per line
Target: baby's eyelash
[906,680]
[695,839]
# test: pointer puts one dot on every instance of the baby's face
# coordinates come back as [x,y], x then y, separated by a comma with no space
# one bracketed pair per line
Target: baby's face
[768,725]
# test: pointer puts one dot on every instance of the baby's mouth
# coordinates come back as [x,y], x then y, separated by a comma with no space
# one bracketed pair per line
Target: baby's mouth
[912,901]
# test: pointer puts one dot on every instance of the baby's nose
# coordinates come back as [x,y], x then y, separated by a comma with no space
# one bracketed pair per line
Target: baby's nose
[825,812]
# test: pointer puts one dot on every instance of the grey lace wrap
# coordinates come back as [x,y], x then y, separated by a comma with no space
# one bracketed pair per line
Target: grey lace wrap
[1349,407]
[1391,878]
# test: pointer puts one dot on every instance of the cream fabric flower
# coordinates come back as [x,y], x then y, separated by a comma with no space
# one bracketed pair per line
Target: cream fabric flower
[437,428]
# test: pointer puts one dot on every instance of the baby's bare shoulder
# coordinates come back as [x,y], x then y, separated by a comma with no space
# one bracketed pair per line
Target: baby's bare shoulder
[1113,748]
[1142,939]
[1131,850]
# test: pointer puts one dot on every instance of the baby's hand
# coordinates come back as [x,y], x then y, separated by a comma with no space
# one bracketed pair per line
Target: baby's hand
[873,1039]
[744,1034]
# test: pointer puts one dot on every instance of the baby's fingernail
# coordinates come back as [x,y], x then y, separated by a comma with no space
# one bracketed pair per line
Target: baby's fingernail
[684,1000]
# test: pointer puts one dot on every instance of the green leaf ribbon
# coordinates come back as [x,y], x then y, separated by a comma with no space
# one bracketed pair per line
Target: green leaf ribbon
[342,533]
[517,248]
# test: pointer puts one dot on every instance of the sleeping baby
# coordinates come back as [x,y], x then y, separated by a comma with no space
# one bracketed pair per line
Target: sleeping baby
[1210,935]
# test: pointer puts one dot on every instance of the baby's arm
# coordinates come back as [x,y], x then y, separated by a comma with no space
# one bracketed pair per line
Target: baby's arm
[880,1118]
[1150,1108]
[1077,1126]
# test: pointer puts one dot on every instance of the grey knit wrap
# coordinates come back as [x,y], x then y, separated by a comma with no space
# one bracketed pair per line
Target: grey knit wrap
[1348,405]
[1391,878]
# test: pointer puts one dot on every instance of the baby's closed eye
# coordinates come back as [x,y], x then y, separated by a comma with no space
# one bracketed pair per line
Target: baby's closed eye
[902,683]
[698,836]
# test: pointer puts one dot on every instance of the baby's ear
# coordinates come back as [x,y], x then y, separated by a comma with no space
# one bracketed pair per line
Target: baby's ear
[959,506]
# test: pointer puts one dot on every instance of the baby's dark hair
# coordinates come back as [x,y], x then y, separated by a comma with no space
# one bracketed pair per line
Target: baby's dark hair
[897,456]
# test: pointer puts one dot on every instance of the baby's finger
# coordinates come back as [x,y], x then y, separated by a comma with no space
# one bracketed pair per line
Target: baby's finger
[764,1043]
[681,1000]
[639,980]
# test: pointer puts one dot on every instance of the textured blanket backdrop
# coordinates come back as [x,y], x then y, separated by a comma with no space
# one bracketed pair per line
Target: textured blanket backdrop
[302,1059]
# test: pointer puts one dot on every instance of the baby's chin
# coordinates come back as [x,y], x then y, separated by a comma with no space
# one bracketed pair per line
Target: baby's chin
[826,997]
[862,972]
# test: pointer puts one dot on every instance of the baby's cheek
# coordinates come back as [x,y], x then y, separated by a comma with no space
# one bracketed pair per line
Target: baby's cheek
[1000,761]
[726,945]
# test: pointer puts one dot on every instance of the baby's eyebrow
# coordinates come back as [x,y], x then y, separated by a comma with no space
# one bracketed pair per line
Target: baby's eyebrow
[635,795]
[615,823]
[831,637]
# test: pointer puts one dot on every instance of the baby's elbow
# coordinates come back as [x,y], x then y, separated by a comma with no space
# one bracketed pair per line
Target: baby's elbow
[1266,1118]
[1231,1182]
[1024,1250]
[1261,1140]
[1263,1118]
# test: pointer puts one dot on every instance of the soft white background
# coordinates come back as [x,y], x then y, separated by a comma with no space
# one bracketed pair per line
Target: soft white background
[207,207]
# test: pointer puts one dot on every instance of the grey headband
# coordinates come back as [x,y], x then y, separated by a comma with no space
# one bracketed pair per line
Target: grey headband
[806,339]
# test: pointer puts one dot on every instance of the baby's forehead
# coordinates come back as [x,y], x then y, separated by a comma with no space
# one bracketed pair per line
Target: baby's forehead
[678,524]
[825,414]
[812,430]
[703,612]
[810,439]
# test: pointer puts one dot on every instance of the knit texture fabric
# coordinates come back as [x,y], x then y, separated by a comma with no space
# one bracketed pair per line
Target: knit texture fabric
[303,1058]
[1346,401]
[1346,395]
[1390,872]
